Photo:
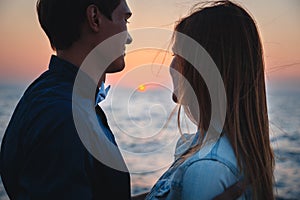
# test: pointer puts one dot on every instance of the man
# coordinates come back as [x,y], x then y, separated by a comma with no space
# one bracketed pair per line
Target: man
[42,154]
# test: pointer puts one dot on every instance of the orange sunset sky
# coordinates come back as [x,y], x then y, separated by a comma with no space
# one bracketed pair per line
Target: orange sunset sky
[25,50]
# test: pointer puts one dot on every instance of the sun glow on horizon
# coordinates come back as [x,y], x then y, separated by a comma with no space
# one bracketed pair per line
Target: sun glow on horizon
[142,88]
[25,49]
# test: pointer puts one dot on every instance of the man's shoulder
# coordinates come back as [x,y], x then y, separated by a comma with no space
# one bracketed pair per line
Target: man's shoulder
[47,92]
[46,100]
[50,86]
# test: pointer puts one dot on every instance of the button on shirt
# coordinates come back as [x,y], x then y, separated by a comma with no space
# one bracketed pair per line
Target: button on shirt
[42,156]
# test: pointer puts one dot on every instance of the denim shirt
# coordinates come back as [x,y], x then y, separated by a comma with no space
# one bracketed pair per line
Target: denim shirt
[204,175]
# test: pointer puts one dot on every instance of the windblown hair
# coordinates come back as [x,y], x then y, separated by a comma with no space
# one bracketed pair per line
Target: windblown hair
[230,36]
[62,19]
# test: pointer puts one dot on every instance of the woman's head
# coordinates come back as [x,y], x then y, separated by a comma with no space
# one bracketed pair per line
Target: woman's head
[230,36]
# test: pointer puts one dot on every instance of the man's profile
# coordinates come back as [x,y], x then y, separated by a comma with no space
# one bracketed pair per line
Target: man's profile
[42,156]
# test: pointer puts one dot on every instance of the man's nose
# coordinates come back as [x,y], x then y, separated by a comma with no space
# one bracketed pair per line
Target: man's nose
[129,39]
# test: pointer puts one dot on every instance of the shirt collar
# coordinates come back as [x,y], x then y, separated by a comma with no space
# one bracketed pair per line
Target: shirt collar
[67,69]
[101,93]
[70,72]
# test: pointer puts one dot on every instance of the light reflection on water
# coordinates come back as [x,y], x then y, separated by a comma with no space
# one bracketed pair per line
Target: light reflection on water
[148,112]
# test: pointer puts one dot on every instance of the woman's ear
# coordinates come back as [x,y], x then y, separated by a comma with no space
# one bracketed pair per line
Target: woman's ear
[94,17]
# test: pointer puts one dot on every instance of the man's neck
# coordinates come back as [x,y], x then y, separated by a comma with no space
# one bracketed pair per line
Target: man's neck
[76,58]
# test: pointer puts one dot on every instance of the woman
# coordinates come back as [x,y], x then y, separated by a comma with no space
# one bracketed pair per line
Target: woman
[241,156]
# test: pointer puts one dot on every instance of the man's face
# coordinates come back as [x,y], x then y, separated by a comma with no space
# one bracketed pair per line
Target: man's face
[117,25]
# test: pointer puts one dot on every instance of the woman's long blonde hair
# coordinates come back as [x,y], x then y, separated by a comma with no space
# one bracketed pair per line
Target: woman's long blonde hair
[229,34]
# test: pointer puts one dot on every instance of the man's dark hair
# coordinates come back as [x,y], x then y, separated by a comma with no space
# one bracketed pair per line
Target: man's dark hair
[62,19]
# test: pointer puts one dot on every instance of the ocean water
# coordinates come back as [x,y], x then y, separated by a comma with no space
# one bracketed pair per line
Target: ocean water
[138,120]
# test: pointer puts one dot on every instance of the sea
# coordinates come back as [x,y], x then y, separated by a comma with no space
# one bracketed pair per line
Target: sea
[146,131]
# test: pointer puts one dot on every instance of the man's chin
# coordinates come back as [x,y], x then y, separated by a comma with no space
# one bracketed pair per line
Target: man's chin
[116,66]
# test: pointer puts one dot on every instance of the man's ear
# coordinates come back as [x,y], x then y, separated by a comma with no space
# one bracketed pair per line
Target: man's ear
[94,17]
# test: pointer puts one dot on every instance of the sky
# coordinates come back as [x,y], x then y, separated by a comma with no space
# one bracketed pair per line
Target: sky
[25,50]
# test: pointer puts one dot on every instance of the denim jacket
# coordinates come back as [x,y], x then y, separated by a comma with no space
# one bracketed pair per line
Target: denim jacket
[204,175]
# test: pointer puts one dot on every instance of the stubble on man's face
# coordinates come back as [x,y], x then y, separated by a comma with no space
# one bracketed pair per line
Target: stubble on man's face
[117,25]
